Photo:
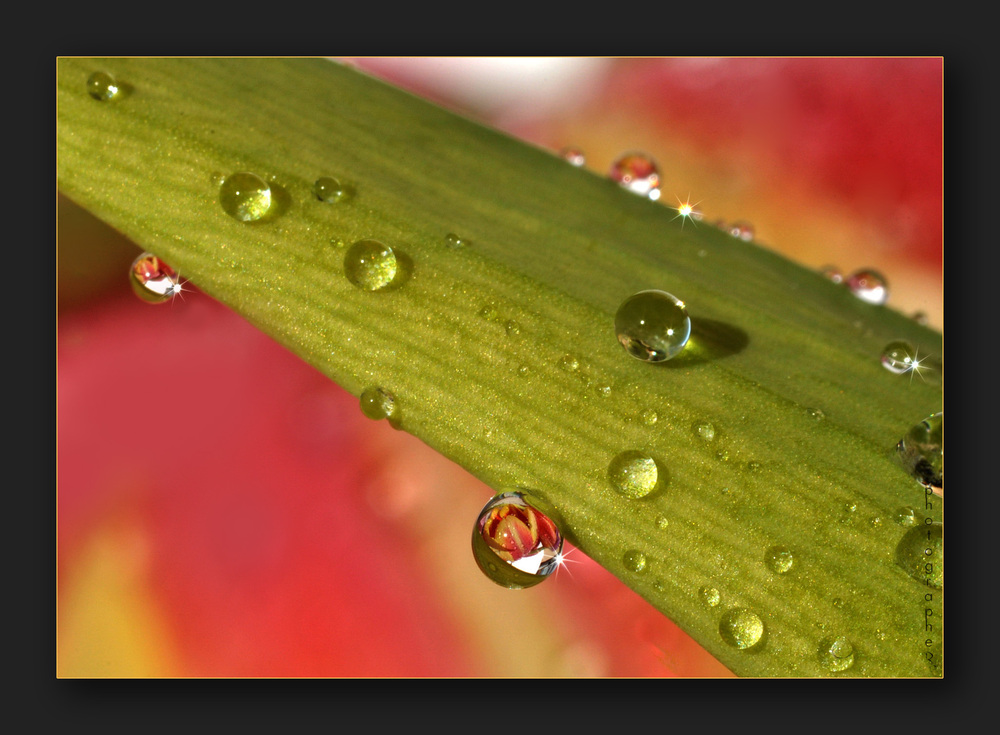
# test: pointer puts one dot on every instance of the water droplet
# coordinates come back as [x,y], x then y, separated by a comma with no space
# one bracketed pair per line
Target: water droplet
[649,417]
[754,466]
[378,404]
[880,634]
[524,371]
[338,242]
[722,455]
[922,451]
[869,285]
[652,325]
[512,328]
[634,560]
[573,155]
[850,507]
[921,318]
[152,280]
[454,241]
[102,86]
[832,273]
[838,603]
[370,265]
[216,178]
[638,173]
[514,543]
[245,196]
[634,474]
[569,363]
[603,390]
[741,628]
[705,430]
[742,230]
[907,517]
[817,414]
[710,596]
[920,553]
[836,654]
[779,559]
[662,522]
[898,357]
[328,189]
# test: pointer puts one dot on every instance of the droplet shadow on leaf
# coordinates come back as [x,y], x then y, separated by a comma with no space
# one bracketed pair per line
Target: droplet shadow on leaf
[281,202]
[710,340]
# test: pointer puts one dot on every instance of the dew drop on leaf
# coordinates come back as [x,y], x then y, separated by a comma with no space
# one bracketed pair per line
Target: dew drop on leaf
[634,474]
[710,596]
[742,230]
[705,430]
[514,543]
[370,265]
[836,653]
[454,241]
[832,273]
[245,196]
[741,628]
[573,155]
[634,560]
[378,404]
[638,173]
[329,189]
[907,517]
[920,553]
[779,559]
[652,325]
[898,357]
[102,86]
[869,285]
[152,280]
[922,451]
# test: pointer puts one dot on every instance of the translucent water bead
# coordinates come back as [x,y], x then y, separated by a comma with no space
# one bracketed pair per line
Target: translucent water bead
[869,285]
[922,451]
[514,543]
[245,196]
[652,326]
[152,280]
[899,357]
[102,86]
[638,173]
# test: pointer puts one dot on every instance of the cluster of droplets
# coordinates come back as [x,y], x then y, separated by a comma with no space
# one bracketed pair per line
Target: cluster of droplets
[921,451]
[514,543]
[152,280]
[867,284]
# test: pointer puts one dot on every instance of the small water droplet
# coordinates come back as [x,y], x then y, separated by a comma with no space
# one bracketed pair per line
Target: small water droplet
[838,603]
[569,363]
[922,451]
[741,628]
[705,430]
[649,417]
[907,517]
[370,265]
[754,466]
[378,404]
[898,357]
[850,507]
[832,273]
[710,596]
[338,242]
[524,371]
[102,86]
[634,560]
[836,654]
[722,455]
[573,155]
[662,522]
[638,173]
[512,327]
[817,414]
[634,474]
[216,178]
[329,189]
[603,390]
[920,553]
[514,543]
[454,241]
[652,326]
[869,285]
[152,280]
[779,559]
[880,634]
[743,230]
[921,318]
[245,196]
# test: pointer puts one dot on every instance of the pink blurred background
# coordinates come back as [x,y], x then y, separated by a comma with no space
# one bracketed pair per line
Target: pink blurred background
[225,510]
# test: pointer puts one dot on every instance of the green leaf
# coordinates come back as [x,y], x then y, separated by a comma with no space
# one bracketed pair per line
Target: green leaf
[502,354]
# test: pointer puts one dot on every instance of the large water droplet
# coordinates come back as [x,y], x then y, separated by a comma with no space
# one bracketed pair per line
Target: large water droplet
[741,628]
[836,654]
[573,155]
[899,357]
[102,86]
[378,404]
[514,543]
[245,196]
[370,265]
[920,553]
[638,173]
[634,560]
[779,559]
[634,474]
[869,285]
[329,189]
[652,325]
[152,280]
[922,451]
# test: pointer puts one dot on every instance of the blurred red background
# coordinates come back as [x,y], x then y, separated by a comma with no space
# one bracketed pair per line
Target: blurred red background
[225,510]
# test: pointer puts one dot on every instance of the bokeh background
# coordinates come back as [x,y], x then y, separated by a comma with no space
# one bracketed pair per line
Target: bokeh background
[224,510]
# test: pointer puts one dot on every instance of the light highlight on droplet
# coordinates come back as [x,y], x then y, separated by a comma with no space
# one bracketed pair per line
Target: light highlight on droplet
[370,265]
[741,628]
[152,280]
[634,474]
[102,86]
[869,285]
[514,543]
[638,173]
[245,196]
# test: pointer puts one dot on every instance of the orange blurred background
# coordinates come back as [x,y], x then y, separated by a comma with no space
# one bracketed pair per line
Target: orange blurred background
[225,510]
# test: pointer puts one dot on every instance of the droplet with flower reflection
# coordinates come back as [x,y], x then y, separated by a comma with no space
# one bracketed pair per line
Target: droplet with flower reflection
[515,543]
[152,280]
[869,285]
[638,173]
